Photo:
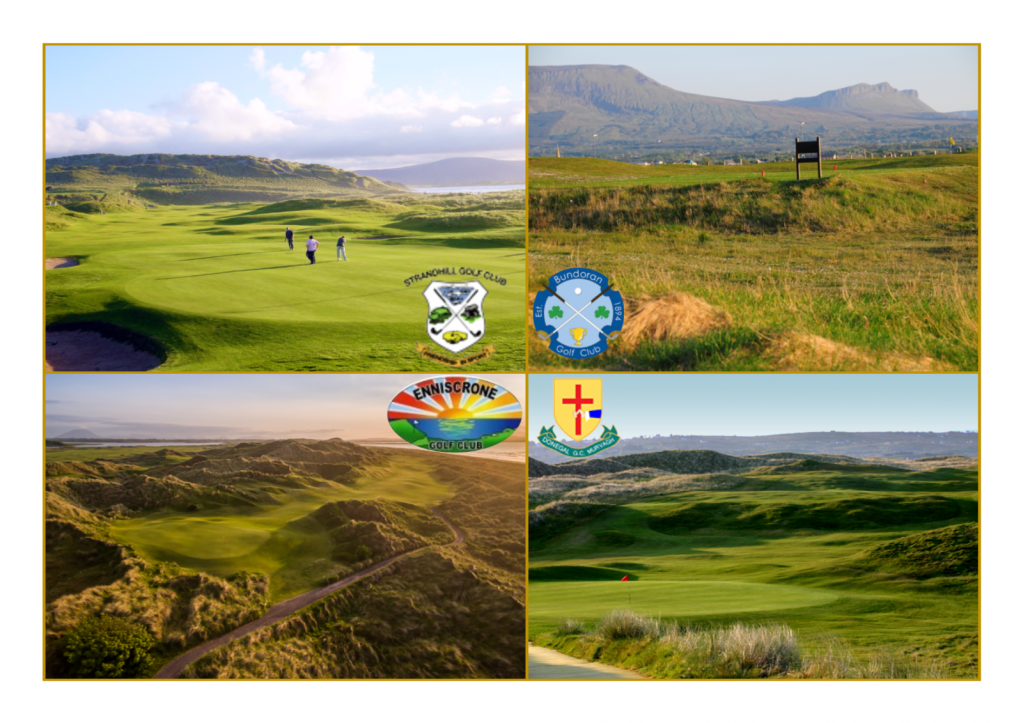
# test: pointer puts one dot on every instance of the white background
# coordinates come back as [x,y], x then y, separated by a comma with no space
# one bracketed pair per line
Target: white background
[27,27]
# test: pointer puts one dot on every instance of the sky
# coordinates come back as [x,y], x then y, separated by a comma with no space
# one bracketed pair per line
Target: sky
[762,404]
[180,406]
[946,77]
[347,106]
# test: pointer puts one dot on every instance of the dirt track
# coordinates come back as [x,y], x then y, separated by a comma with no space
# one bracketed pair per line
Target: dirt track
[283,609]
[546,664]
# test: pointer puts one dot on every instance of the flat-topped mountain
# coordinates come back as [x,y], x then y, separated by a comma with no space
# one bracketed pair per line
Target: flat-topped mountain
[592,109]
[880,98]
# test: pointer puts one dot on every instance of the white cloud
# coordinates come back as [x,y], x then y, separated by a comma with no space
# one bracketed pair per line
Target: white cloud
[258,59]
[501,92]
[467,121]
[332,110]
[215,113]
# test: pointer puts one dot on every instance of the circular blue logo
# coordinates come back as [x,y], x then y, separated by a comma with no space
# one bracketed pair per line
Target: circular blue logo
[577,313]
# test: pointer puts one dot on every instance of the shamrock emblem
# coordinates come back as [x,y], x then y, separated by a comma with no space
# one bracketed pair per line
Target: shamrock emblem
[602,312]
[555,312]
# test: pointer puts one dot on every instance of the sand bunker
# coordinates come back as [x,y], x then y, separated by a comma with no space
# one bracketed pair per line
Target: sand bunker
[60,262]
[795,351]
[88,351]
[677,316]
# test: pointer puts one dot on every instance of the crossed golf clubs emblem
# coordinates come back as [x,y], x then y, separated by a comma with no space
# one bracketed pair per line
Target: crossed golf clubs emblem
[456,314]
[610,337]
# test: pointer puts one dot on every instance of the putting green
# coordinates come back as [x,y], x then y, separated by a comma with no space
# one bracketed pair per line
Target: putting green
[556,600]
[219,536]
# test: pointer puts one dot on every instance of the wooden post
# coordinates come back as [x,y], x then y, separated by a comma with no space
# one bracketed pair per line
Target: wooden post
[819,174]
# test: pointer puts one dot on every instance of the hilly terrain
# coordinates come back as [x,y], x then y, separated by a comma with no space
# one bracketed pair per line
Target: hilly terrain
[617,111]
[889,445]
[365,562]
[781,565]
[104,182]
[454,172]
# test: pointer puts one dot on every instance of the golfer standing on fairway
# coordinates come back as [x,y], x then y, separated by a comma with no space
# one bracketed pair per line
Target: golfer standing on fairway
[310,249]
[341,249]
[291,237]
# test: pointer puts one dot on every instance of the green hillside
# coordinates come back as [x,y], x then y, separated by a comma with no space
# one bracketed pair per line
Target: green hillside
[160,178]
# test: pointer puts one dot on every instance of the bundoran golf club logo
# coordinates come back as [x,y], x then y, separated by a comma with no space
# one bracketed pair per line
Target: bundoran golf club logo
[577,313]
[578,411]
[454,414]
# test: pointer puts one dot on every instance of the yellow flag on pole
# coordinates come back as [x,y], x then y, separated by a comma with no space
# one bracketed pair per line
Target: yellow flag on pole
[953,141]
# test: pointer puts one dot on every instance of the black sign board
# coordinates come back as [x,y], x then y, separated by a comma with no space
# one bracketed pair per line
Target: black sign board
[811,151]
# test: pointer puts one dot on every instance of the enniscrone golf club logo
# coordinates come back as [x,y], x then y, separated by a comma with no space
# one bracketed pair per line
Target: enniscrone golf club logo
[578,314]
[578,411]
[454,414]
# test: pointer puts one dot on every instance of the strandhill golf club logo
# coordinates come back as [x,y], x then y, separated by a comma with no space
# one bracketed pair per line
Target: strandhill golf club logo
[578,411]
[577,314]
[454,414]
[455,321]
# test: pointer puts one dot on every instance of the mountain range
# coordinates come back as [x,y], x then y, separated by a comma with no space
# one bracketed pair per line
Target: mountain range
[586,108]
[454,172]
[891,445]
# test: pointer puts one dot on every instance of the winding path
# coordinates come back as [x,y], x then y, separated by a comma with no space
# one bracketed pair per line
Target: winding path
[547,664]
[288,607]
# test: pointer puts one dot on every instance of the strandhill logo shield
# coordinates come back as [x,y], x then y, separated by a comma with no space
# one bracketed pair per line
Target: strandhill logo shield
[454,414]
[578,411]
[455,318]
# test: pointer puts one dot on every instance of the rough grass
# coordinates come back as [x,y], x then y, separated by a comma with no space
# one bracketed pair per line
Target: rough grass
[766,650]
[883,265]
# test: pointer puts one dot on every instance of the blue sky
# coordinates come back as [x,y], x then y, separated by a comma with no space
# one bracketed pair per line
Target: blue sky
[353,107]
[760,404]
[945,76]
[320,406]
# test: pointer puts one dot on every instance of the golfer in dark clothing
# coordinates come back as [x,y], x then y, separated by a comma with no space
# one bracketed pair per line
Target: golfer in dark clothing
[310,249]
[341,249]
[288,234]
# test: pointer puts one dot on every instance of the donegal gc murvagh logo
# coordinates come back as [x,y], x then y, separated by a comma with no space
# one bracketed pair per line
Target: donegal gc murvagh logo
[578,314]
[578,411]
[454,414]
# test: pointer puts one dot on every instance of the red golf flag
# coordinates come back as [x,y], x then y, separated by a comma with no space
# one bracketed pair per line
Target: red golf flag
[835,168]
[625,579]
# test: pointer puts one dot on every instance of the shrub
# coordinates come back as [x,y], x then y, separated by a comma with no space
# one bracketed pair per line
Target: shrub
[363,553]
[625,624]
[568,626]
[107,647]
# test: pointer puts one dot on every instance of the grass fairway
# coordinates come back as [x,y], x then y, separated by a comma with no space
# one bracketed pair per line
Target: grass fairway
[217,289]
[274,537]
[881,560]
[667,598]
[875,267]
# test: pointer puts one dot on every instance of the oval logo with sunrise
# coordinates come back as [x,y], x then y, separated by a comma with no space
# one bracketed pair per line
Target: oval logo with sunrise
[454,414]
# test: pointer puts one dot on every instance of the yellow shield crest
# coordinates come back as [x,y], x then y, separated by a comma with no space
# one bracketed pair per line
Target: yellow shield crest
[577,406]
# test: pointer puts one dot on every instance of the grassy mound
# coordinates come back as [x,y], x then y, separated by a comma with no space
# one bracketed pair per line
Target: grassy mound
[847,514]
[947,552]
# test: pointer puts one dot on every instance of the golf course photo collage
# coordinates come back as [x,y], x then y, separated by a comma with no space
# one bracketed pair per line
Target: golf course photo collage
[511,362]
